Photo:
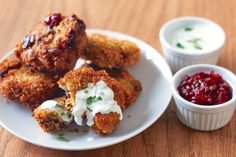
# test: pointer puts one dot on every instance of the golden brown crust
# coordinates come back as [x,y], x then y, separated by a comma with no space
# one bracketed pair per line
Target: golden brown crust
[9,63]
[132,87]
[107,52]
[27,86]
[50,121]
[54,49]
[104,124]
[79,79]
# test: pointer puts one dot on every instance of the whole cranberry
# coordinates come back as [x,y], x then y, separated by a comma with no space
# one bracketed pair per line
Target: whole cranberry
[53,19]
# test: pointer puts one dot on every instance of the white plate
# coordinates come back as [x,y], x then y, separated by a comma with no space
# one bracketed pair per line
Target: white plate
[151,70]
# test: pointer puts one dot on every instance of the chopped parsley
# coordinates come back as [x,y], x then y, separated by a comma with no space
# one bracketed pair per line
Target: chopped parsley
[188,29]
[63,113]
[86,91]
[89,109]
[179,45]
[99,98]
[62,138]
[195,43]
[68,114]
[93,99]
[58,105]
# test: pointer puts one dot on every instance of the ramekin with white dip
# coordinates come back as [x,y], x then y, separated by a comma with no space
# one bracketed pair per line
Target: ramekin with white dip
[191,40]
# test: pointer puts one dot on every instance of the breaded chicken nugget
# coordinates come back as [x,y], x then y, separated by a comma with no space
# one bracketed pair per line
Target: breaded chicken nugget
[104,124]
[92,88]
[55,44]
[17,82]
[131,87]
[52,116]
[78,79]
[107,52]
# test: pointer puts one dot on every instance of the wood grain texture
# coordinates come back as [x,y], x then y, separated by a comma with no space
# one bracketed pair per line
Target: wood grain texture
[142,19]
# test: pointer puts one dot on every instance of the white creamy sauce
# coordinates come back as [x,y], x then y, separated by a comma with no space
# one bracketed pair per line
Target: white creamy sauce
[80,62]
[96,98]
[53,106]
[195,37]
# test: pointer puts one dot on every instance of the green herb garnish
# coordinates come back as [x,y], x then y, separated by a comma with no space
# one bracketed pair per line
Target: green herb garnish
[86,91]
[195,43]
[187,29]
[90,100]
[62,138]
[58,105]
[68,114]
[99,98]
[180,45]
[89,109]
[197,46]
[93,99]
[63,113]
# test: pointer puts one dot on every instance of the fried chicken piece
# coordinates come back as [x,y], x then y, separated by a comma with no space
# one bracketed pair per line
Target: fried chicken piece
[55,44]
[52,116]
[7,64]
[17,82]
[104,124]
[131,87]
[107,52]
[79,79]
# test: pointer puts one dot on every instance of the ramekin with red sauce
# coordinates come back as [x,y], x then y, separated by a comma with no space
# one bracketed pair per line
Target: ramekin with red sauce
[205,96]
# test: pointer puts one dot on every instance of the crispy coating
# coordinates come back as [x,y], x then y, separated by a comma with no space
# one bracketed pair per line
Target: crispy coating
[50,121]
[79,79]
[25,85]
[107,52]
[104,124]
[54,49]
[131,87]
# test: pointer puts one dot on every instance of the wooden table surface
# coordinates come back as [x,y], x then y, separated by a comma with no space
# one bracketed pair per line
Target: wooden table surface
[142,19]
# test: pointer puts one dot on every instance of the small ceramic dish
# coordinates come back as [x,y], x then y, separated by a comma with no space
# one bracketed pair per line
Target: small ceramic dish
[202,117]
[206,38]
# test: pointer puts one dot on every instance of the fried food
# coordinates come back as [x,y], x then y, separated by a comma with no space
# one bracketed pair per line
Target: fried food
[131,87]
[55,44]
[79,79]
[107,52]
[104,124]
[17,82]
[53,116]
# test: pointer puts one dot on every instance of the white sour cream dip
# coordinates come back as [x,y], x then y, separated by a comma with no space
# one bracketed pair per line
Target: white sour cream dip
[96,98]
[194,37]
[53,106]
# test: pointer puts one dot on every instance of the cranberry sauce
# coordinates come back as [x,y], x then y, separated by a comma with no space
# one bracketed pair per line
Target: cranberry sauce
[205,89]
[53,19]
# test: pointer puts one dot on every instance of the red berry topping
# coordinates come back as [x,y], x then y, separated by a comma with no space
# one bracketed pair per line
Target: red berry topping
[53,19]
[205,89]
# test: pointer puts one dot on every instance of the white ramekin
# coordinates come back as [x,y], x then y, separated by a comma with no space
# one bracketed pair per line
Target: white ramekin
[178,58]
[202,117]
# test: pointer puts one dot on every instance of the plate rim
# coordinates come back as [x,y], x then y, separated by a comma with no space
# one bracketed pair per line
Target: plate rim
[124,137]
